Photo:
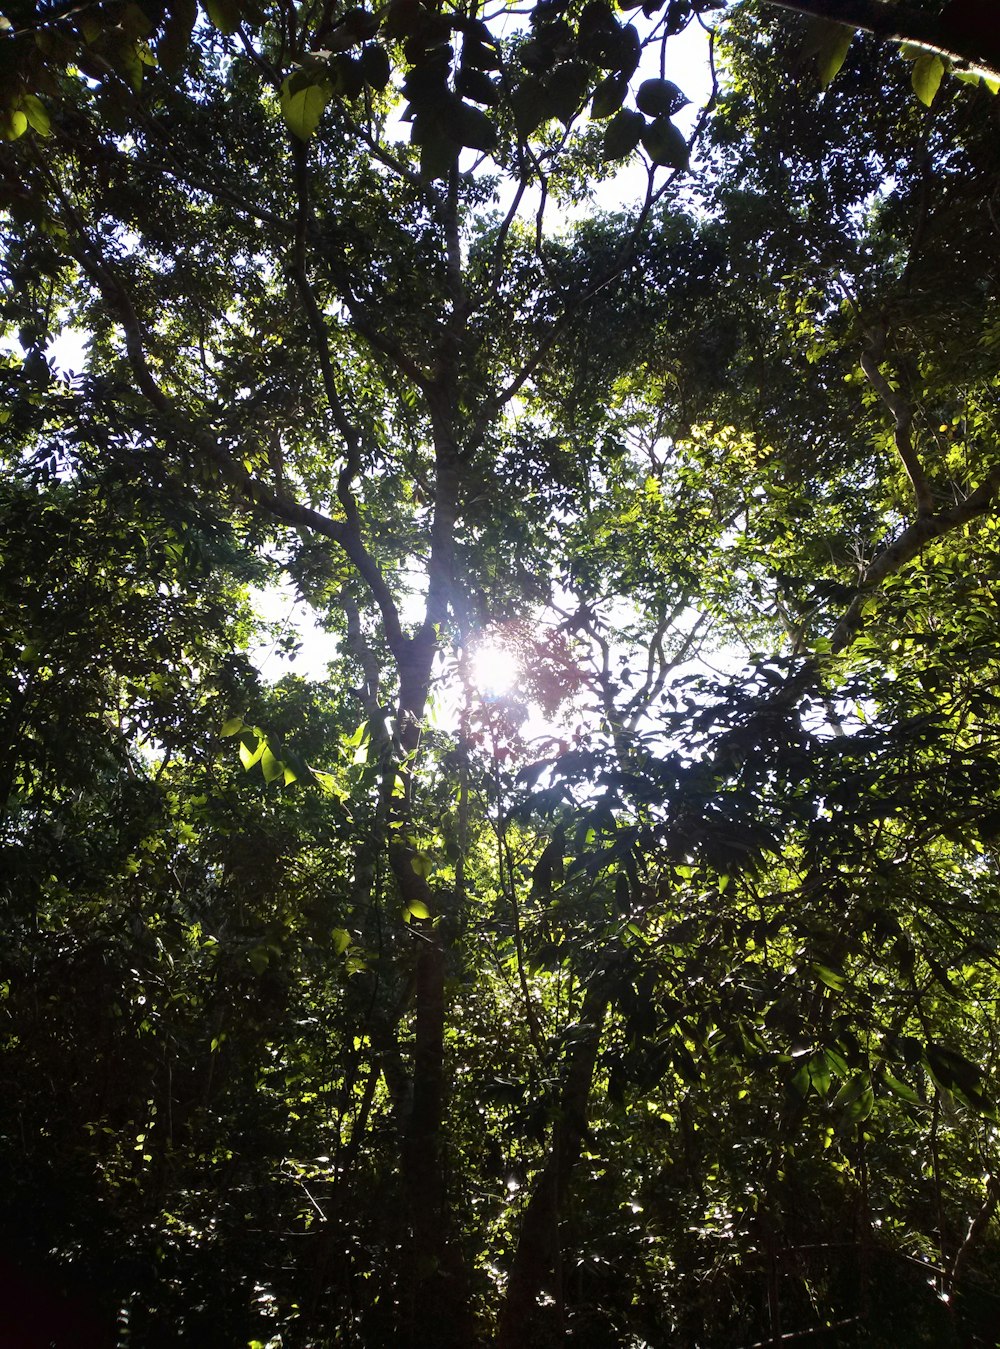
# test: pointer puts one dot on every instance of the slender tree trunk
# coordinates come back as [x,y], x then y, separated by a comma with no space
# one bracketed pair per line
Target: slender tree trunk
[435,1309]
[438,1315]
[536,1257]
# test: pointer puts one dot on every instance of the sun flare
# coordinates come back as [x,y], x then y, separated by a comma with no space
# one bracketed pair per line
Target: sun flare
[495,669]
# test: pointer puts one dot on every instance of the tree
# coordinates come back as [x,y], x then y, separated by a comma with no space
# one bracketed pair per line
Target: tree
[386,369]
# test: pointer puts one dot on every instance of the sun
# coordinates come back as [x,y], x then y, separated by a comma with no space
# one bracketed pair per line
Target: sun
[495,669]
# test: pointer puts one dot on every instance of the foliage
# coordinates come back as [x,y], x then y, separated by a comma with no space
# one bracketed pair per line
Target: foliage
[654,999]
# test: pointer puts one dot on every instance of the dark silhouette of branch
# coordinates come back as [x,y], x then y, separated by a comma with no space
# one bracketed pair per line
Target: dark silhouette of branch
[965,32]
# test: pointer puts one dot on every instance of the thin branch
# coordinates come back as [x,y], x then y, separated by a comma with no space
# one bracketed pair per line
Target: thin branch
[380,341]
[492,406]
[455,328]
[272,75]
[275,502]
[977,1228]
[382,155]
[496,266]
[909,545]
[638,705]
[902,411]
[791,1335]
[321,338]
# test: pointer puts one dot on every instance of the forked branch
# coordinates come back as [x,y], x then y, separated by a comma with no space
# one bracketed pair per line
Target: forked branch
[902,411]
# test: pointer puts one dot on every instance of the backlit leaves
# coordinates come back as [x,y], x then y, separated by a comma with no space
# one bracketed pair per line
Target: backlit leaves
[928,70]
[303,100]
[828,44]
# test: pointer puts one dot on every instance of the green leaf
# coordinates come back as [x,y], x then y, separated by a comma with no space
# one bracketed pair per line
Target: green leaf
[836,1060]
[125,58]
[623,133]
[833,54]
[327,782]
[566,87]
[659,98]
[347,77]
[259,959]
[900,1089]
[608,96]
[438,152]
[232,726]
[375,66]
[855,1100]
[480,52]
[224,14]
[341,940]
[799,1081]
[665,144]
[416,908]
[271,767]
[829,42]
[819,1074]
[472,128]
[830,977]
[90,26]
[926,77]
[15,124]
[303,107]
[356,736]
[951,1069]
[289,775]
[861,1108]
[38,118]
[529,105]
[421,864]
[248,756]
[134,20]
[478,86]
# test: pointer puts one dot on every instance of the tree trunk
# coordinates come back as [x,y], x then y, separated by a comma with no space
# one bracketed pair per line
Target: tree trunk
[434,1299]
[535,1259]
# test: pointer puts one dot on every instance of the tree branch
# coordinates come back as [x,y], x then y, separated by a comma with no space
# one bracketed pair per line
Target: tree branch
[537,1250]
[910,543]
[275,502]
[902,411]
[968,43]
[317,326]
[977,1228]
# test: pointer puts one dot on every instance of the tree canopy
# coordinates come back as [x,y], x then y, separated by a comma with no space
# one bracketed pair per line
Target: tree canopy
[605,950]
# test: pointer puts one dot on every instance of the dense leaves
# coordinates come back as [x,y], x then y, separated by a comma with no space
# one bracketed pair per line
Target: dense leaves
[644,991]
